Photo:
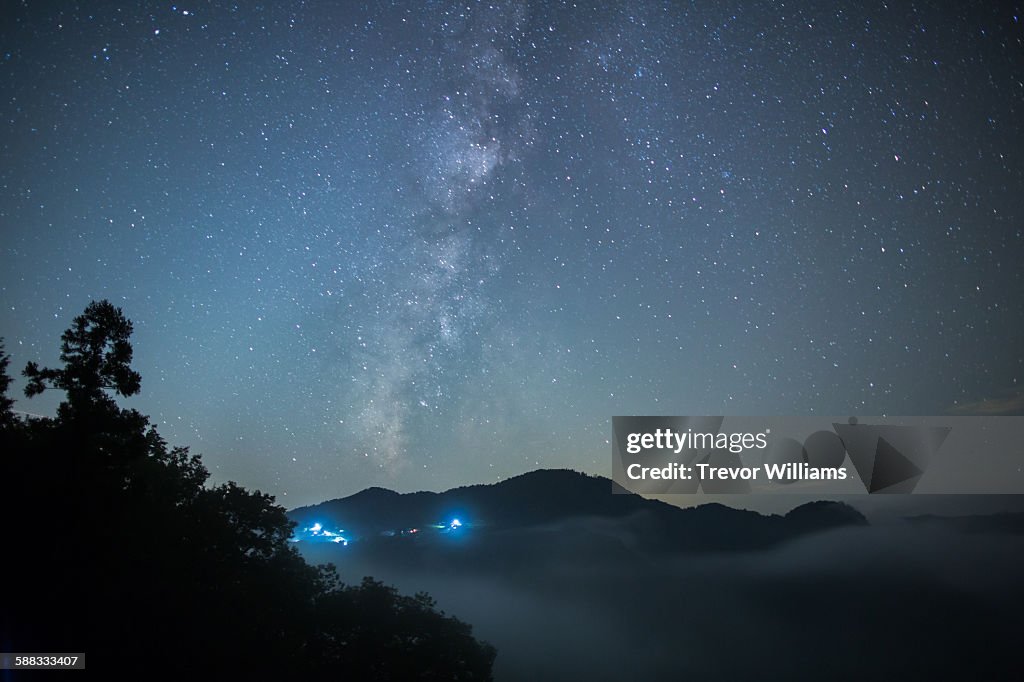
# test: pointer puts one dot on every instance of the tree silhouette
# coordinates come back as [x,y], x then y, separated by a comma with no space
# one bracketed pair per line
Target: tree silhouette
[6,404]
[146,564]
[97,356]
[395,637]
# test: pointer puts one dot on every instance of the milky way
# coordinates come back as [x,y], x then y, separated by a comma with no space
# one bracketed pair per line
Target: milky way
[443,243]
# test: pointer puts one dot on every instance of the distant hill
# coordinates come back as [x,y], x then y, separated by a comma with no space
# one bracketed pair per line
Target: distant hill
[570,500]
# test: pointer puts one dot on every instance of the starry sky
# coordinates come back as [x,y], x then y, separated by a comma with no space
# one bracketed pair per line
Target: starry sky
[430,244]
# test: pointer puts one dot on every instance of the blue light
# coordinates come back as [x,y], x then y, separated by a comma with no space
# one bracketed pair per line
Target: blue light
[455,524]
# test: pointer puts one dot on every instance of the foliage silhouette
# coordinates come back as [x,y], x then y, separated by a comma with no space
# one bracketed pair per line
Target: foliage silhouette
[6,404]
[96,354]
[133,558]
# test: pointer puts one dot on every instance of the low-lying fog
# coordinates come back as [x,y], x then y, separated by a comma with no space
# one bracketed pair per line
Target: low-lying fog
[903,600]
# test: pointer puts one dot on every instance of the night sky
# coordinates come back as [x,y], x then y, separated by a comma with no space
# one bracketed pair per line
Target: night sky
[431,244]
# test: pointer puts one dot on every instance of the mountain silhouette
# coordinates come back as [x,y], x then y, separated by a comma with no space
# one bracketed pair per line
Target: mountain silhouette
[579,504]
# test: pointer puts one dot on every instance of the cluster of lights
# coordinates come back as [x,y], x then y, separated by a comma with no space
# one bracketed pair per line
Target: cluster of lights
[317,531]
